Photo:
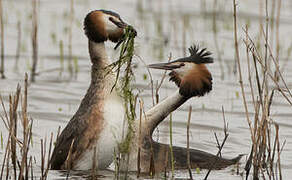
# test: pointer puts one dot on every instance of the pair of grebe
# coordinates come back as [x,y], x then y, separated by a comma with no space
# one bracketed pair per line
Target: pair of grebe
[96,129]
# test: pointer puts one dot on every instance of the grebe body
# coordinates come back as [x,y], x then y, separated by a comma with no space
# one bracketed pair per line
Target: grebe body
[96,129]
[94,132]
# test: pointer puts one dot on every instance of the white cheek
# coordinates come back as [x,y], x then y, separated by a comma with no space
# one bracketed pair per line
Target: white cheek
[182,71]
[109,26]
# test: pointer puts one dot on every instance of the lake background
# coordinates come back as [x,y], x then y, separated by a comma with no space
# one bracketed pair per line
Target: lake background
[164,28]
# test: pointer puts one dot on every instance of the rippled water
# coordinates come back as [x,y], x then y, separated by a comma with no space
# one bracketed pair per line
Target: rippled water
[161,26]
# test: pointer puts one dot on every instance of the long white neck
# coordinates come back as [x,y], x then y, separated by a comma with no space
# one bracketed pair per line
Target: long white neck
[100,61]
[97,52]
[160,111]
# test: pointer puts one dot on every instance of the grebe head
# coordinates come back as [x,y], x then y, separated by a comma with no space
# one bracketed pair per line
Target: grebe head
[190,73]
[101,25]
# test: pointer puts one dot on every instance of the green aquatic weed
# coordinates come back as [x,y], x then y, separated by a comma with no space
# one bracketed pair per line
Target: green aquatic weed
[125,89]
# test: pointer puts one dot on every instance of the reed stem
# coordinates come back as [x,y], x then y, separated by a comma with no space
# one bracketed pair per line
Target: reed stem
[70,59]
[34,38]
[2,41]
[170,146]
[188,143]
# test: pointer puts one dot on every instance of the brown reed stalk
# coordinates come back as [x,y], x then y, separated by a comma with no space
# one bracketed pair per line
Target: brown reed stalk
[215,35]
[49,157]
[117,164]
[161,81]
[277,33]
[170,146]
[219,151]
[34,38]
[263,151]
[249,66]
[71,16]
[18,47]
[266,62]
[31,168]
[45,167]
[278,150]
[266,38]
[188,143]
[5,114]
[61,57]
[94,165]
[7,165]
[184,35]
[139,137]
[257,58]
[58,132]
[218,143]
[239,70]
[68,161]
[6,155]
[278,71]
[151,79]
[7,149]
[43,154]
[26,132]
[263,133]
[13,104]
[2,41]
[165,164]
[272,24]
[226,134]
[13,143]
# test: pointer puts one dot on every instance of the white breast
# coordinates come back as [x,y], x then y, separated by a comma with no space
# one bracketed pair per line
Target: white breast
[111,135]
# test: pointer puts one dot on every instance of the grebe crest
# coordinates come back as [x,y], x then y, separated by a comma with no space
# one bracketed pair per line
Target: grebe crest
[190,73]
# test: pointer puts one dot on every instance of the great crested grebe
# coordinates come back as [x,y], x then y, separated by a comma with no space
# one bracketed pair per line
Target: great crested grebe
[193,79]
[93,133]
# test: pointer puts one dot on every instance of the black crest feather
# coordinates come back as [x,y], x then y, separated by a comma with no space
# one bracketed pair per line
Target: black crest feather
[197,56]
[200,56]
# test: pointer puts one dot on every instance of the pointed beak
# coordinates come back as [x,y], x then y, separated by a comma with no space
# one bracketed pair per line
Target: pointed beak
[121,24]
[165,66]
[132,30]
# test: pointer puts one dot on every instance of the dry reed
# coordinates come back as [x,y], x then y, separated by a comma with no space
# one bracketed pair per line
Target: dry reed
[264,150]
[170,146]
[2,41]
[21,165]
[18,45]
[34,38]
[71,18]
[188,143]
[215,36]
[220,146]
